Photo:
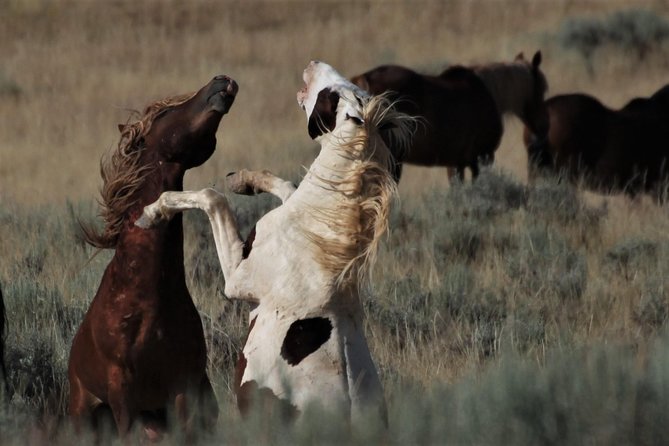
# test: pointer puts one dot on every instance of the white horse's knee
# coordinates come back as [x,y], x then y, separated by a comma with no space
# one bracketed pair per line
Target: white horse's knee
[213,200]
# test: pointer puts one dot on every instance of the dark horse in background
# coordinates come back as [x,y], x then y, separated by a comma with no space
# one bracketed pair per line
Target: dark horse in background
[462,108]
[140,349]
[460,122]
[608,150]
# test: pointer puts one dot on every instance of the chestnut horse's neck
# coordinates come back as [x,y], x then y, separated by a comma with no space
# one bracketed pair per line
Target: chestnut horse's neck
[158,252]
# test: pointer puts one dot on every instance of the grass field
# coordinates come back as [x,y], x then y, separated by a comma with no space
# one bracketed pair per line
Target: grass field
[500,312]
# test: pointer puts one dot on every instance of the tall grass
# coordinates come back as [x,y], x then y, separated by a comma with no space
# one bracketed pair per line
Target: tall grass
[487,311]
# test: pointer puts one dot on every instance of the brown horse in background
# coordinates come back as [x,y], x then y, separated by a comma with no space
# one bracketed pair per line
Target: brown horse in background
[462,125]
[608,150]
[460,122]
[140,349]
[519,87]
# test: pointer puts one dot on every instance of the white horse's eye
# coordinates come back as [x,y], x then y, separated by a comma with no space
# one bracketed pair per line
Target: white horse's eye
[355,119]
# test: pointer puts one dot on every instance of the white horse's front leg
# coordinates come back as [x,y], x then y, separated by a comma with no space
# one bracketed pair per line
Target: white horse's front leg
[251,182]
[223,224]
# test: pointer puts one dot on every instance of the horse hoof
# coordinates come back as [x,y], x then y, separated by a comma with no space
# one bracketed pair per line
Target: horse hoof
[237,184]
[144,222]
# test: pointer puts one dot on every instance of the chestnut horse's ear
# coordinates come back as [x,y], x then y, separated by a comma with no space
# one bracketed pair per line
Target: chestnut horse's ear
[519,56]
[536,60]
[121,127]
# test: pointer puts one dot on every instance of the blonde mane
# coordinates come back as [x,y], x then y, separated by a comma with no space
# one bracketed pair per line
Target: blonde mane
[511,84]
[123,173]
[369,187]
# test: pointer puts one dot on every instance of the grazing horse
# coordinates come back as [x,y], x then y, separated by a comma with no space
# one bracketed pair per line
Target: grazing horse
[304,267]
[460,121]
[519,88]
[608,150]
[140,348]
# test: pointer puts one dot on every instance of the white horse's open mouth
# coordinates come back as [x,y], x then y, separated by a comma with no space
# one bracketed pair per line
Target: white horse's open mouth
[303,93]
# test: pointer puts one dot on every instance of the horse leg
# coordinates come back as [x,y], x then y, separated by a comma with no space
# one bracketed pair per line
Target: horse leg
[475,170]
[229,244]
[208,406]
[252,182]
[183,416]
[461,173]
[119,402]
[81,404]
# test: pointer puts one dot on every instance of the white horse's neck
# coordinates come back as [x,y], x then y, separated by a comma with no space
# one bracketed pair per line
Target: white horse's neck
[329,178]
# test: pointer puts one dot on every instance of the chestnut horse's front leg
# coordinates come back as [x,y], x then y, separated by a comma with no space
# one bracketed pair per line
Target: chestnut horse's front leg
[251,182]
[229,244]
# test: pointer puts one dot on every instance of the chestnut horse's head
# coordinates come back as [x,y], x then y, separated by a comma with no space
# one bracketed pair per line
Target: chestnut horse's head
[185,132]
[170,136]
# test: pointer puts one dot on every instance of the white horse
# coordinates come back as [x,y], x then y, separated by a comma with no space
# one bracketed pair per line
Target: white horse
[309,257]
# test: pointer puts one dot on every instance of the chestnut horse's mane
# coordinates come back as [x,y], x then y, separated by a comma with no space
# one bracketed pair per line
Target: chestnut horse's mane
[123,173]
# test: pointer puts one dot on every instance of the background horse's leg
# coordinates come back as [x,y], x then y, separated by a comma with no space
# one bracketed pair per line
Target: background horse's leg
[229,244]
[475,170]
[251,182]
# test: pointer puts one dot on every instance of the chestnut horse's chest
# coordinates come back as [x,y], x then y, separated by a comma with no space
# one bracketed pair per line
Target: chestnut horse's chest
[146,326]
[142,323]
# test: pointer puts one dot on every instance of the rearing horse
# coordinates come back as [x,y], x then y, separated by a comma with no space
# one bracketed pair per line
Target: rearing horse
[141,346]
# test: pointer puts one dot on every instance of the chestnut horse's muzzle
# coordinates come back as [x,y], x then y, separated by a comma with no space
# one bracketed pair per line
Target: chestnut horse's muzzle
[223,92]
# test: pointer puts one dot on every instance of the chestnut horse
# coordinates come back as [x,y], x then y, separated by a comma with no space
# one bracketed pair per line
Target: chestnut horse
[608,150]
[460,121]
[140,348]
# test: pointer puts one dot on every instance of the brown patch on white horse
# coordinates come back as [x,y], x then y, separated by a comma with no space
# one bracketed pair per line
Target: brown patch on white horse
[310,255]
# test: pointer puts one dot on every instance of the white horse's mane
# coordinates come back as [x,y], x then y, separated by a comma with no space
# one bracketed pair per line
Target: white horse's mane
[361,220]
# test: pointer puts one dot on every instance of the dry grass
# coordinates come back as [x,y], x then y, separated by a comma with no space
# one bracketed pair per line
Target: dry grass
[463,283]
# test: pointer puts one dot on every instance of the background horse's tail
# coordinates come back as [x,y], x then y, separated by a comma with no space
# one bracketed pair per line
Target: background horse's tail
[3,369]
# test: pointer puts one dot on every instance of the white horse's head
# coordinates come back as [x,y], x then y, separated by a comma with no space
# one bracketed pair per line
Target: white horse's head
[329,99]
